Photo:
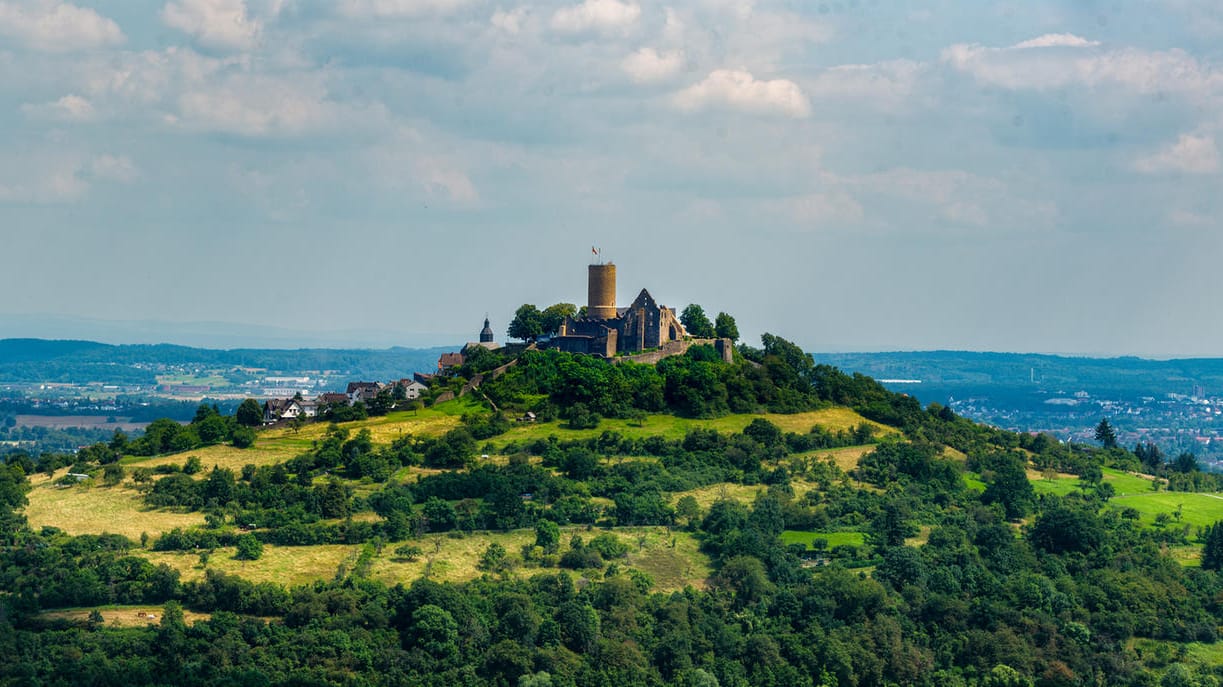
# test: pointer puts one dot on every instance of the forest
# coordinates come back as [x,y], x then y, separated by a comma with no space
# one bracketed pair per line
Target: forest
[961,572]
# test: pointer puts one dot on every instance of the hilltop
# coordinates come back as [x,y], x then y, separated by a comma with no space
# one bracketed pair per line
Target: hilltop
[695,521]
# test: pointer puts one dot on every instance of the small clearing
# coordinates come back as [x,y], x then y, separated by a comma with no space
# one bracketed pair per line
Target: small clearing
[121,616]
[92,509]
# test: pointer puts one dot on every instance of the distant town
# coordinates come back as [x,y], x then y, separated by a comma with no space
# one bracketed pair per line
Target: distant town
[1176,422]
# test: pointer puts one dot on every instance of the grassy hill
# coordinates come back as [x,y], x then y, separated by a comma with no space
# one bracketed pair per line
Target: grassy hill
[673,560]
[834,529]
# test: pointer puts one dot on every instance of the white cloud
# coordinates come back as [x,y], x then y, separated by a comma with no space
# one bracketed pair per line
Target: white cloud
[1189,155]
[182,89]
[1044,64]
[118,168]
[950,197]
[217,24]
[759,40]
[830,207]
[647,65]
[510,22]
[887,84]
[42,179]
[737,89]
[442,179]
[70,108]
[1057,40]
[966,212]
[597,16]
[53,26]
[942,187]
[258,105]
[398,8]
[1189,218]
[139,82]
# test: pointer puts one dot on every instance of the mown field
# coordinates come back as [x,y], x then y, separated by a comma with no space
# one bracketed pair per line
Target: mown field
[120,616]
[88,509]
[833,538]
[1060,483]
[279,444]
[671,558]
[1135,491]
[672,427]
[287,565]
[1198,510]
[282,443]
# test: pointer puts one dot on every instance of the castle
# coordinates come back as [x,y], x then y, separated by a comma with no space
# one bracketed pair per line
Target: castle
[605,330]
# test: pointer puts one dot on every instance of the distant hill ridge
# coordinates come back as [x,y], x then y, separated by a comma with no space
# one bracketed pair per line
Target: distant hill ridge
[949,368]
[33,360]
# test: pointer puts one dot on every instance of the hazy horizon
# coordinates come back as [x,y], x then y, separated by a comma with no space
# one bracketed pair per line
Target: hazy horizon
[197,335]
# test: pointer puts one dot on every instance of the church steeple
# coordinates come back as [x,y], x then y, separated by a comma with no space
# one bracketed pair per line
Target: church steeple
[486,334]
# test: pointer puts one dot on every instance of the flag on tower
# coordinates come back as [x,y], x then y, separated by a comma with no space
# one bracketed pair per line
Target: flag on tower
[594,250]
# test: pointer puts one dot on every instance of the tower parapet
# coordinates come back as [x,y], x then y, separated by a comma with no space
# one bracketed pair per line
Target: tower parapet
[601,292]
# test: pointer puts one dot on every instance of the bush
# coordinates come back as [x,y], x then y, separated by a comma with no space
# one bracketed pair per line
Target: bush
[609,546]
[249,548]
[112,474]
[244,437]
[408,552]
[580,417]
[494,558]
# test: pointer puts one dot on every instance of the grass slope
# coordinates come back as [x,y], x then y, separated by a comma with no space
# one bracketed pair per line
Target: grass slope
[287,565]
[672,559]
[833,538]
[90,509]
[94,509]
[672,427]
[1134,491]
[282,443]
[120,616]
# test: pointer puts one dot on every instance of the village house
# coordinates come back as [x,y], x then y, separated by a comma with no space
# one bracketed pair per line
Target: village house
[362,391]
[332,398]
[448,361]
[410,388]
[278,409]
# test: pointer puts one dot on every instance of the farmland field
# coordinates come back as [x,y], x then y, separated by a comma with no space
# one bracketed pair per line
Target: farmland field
[120,615]
[672,558]
[845,458]
[1197,510]
[286,565]
[87,509]
[672,427]
[833,538]
[1134,491]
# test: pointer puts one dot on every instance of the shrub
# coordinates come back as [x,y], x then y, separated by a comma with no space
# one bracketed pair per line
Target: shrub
[249,548]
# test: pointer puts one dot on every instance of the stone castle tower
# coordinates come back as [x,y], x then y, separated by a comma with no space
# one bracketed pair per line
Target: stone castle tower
[601,292]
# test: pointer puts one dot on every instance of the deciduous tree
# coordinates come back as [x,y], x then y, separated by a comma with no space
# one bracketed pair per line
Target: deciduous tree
[725,327]
[554,315]
[249,413]
[528,323]
[697,322]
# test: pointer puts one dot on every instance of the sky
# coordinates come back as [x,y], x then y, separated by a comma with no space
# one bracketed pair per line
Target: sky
[852,175]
